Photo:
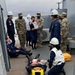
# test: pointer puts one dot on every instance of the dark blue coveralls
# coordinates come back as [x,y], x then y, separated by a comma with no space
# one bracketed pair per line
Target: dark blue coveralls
[28,37]
[12,51]
[10,30]
[33,35]
[56,69]
[55,30]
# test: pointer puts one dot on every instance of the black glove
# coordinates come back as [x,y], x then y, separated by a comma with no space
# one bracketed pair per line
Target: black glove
[48,60]
[50,65]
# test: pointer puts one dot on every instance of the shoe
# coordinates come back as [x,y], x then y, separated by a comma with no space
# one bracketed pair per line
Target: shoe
[37,56]
[27,44]
[39,45]
[30,44]
[26,48]
[35,47]
[28,51]
[30,54]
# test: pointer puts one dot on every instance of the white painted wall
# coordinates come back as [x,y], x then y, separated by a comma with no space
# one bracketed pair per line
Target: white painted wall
[2,65]
[3,5]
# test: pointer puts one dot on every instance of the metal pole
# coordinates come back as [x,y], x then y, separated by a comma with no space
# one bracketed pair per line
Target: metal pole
[63,3]
[59,5]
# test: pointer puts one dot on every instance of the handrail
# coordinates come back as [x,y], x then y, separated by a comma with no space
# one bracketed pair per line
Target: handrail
[0,54]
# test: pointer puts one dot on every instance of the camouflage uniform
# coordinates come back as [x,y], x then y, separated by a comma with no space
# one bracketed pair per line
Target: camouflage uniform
[59,18]
[64,34]
[21,30]
[40,23]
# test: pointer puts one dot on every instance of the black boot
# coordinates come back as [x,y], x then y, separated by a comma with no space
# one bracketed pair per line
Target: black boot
[32,46]
[35,46]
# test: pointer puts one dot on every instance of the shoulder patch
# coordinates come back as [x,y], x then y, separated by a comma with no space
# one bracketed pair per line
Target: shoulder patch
[10,23]
[55,24]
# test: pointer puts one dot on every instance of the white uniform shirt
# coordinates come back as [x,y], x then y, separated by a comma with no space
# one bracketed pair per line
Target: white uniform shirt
[27,25]
[35,25]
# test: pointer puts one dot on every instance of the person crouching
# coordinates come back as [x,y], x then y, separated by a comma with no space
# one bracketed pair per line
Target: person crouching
[56,62]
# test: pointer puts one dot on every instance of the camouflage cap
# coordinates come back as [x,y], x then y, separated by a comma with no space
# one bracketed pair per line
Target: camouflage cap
[64,14]
[20,14]
[38,14]
[59,15]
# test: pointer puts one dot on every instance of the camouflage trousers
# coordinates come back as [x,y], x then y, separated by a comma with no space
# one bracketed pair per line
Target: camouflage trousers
[39,39]
[64,43]
[22,39]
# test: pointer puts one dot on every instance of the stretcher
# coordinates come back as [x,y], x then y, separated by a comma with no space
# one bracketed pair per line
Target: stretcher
[37,70]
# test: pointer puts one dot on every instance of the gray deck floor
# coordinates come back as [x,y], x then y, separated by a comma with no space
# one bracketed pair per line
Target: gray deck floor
[18,64]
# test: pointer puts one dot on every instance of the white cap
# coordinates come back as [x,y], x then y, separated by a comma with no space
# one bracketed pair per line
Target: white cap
[10,13]
[54,12]
[54,41]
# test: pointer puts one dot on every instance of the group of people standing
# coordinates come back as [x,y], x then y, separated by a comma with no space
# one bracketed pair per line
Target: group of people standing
[29,31]
[34,27]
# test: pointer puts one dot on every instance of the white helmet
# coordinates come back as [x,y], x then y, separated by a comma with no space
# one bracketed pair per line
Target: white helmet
[10,13]
[54,12]
[28,16]
[54,41]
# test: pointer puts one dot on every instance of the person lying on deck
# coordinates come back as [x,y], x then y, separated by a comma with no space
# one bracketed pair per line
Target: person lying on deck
[34,63]
[16,51]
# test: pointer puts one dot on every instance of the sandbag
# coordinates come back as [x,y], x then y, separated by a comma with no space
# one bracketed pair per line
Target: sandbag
[67,56]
